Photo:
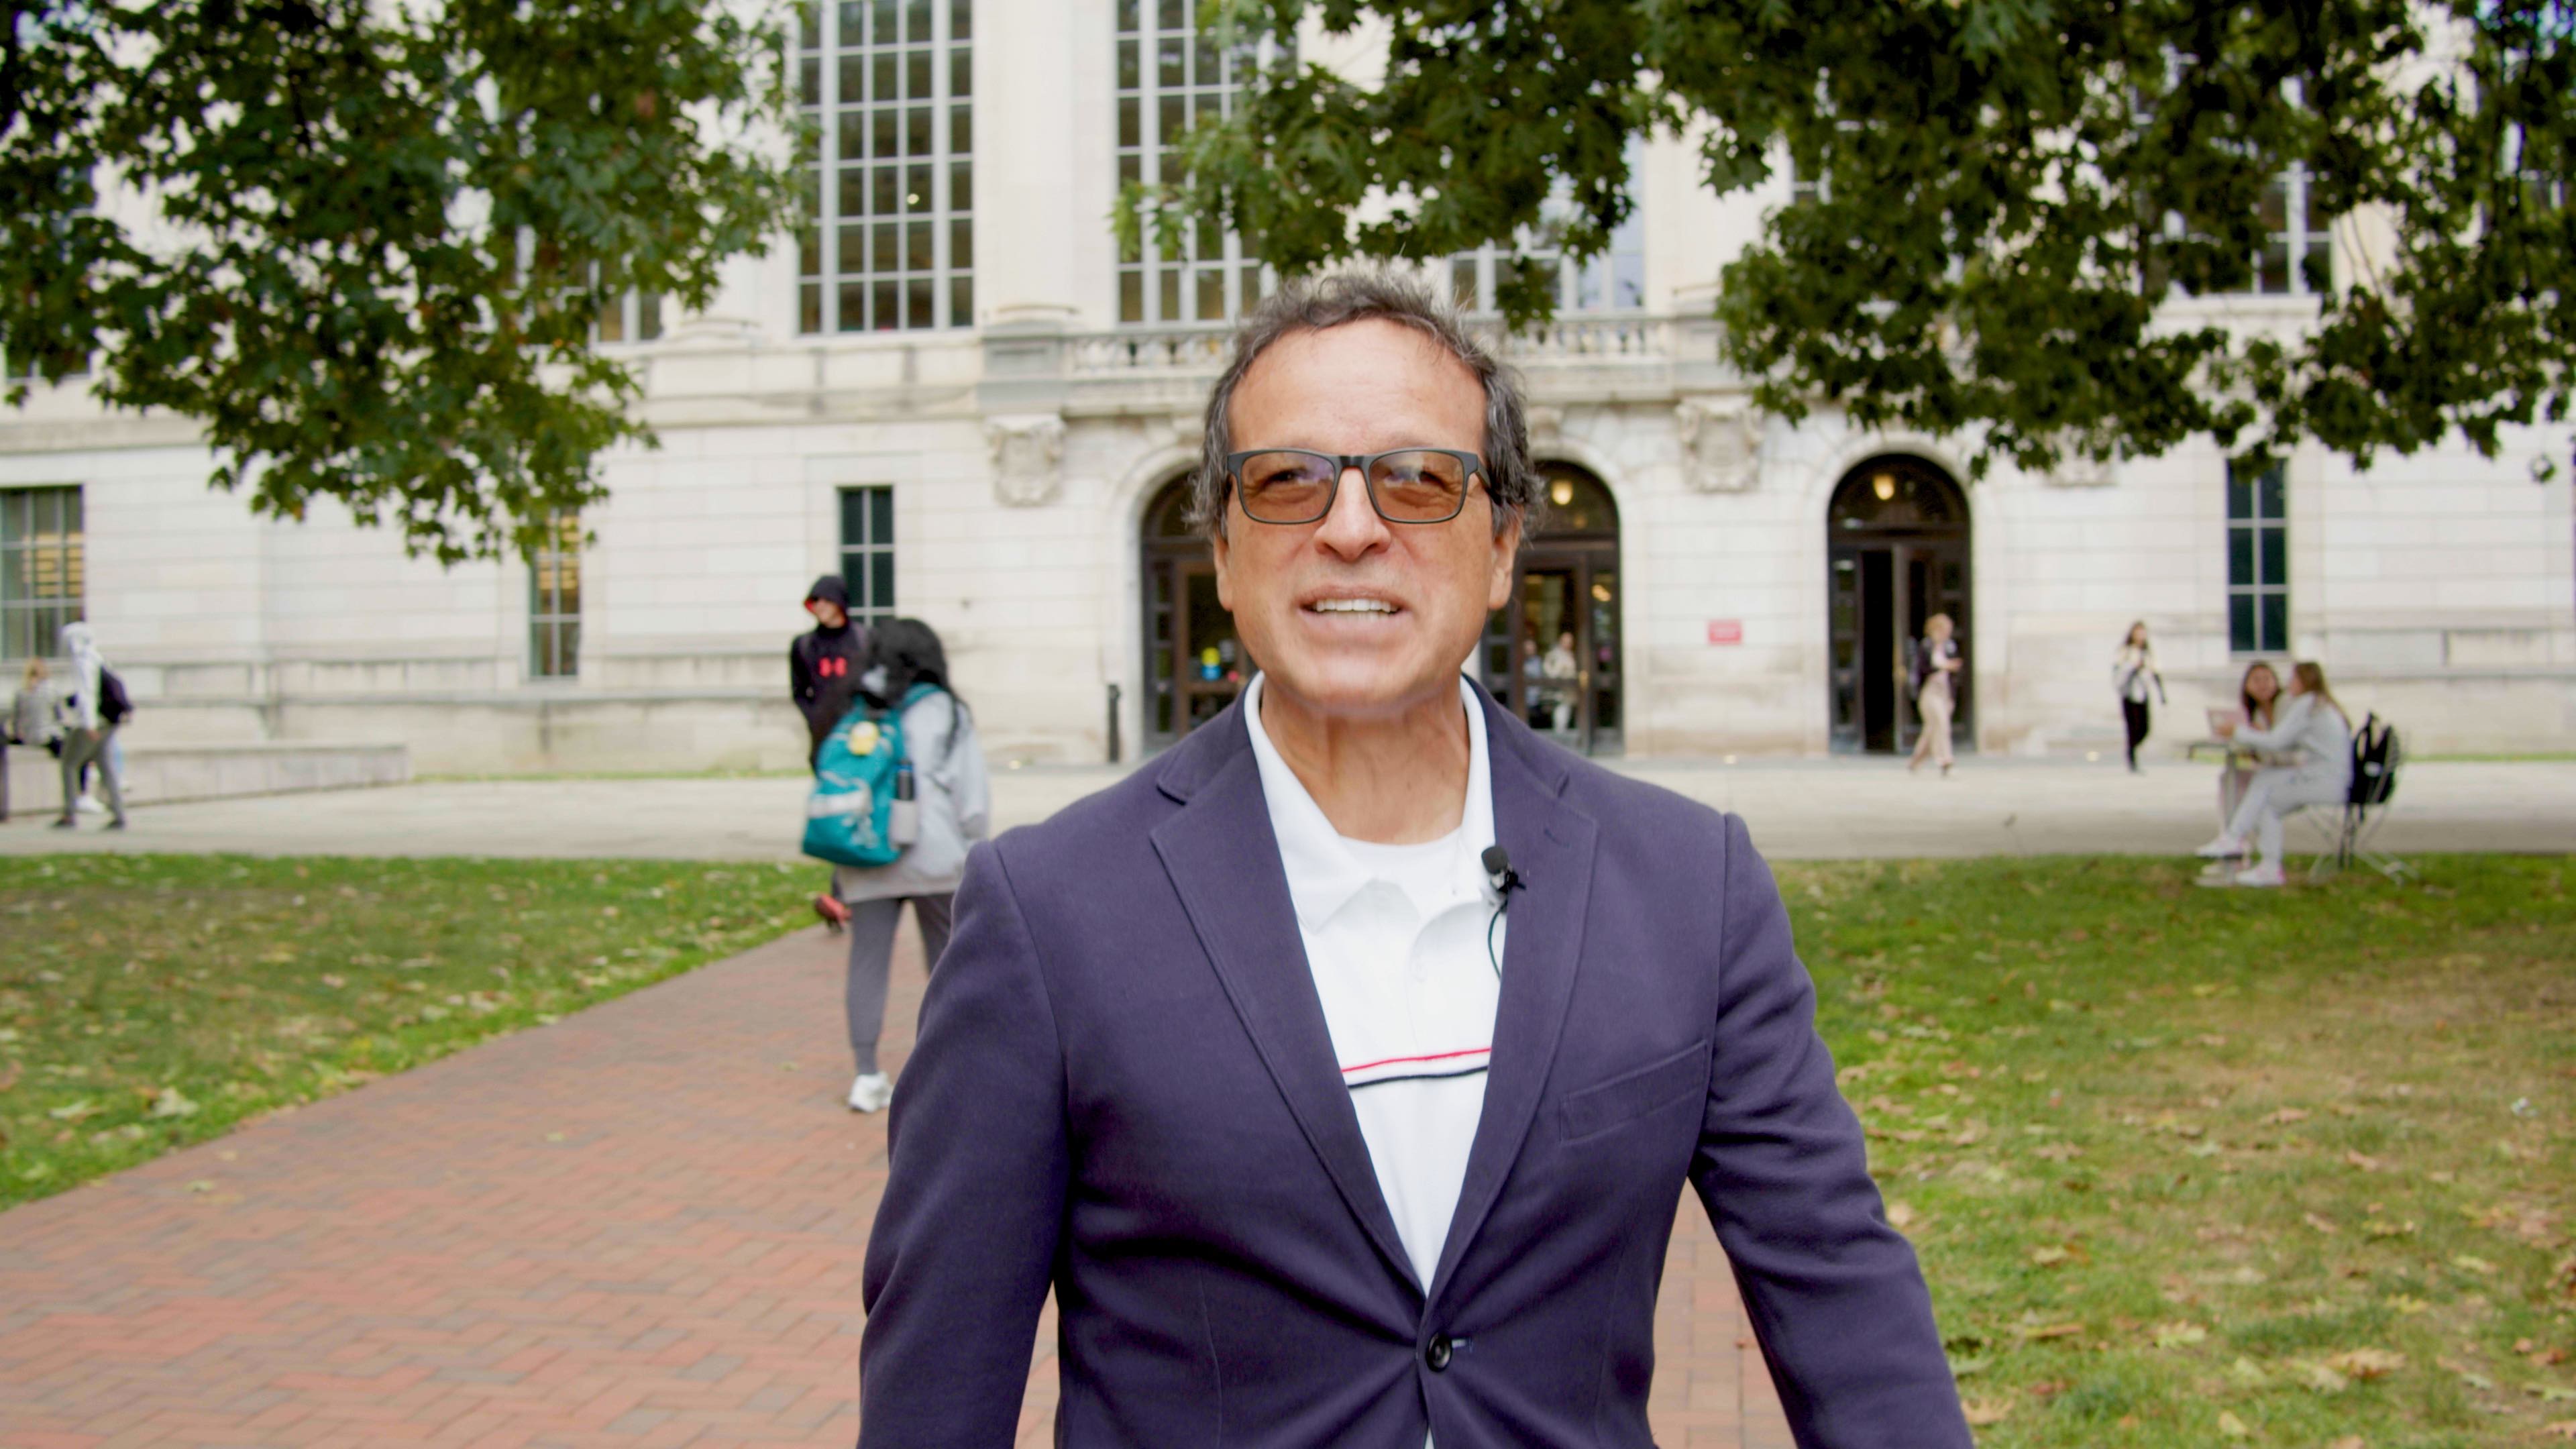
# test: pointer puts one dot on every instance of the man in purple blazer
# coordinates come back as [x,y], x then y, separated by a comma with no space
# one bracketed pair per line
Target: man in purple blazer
[1339,1070]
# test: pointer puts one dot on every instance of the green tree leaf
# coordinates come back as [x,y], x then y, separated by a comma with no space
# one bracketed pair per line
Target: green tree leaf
[363,245]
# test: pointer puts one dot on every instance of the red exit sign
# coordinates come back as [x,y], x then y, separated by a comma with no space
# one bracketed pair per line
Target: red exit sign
[1726,631]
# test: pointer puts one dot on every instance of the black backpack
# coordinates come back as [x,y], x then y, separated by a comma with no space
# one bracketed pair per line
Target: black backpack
[2375,758]
[115,706]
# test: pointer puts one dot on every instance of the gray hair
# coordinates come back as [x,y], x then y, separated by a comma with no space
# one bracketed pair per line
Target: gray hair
[1313,304]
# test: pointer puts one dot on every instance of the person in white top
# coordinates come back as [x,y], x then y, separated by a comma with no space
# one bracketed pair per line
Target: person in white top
[2133,673]
[2313,743]
[89,730]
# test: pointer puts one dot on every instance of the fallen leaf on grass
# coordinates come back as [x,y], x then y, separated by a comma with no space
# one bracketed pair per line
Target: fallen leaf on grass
[2319,1223]
[2286,1116]
[2363,1161]
[2247,1372]
[2179,1334]
[2367,1363]
[2477,1265]
[2466,1374]
[171,1102]
[2407,1305]
[2322,1379]
[2232,1426]
[2046,1256]
[1982,1412]
[9,1076]
[74,1111]
[1900,1216]
[2560,1429]
[2349,1441]
[2053,1330]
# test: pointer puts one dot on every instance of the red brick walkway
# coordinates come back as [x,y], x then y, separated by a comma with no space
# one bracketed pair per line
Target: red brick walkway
[638,1227]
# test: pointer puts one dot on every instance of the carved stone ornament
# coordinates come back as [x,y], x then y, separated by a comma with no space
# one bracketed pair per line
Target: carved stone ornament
[1028,458]
[1546,426]
[1721,444]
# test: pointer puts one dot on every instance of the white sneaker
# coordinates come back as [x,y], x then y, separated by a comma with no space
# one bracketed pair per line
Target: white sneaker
[2261,875]
[89,806]
[2223,848]
[871,1092]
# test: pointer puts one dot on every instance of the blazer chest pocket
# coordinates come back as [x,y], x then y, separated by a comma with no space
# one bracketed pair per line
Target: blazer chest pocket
[1622,1100]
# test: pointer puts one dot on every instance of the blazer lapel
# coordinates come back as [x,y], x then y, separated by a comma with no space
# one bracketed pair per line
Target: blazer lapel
[1551,846]
[1224,861]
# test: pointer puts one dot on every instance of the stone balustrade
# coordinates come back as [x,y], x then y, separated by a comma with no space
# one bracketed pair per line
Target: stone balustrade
[1200,348]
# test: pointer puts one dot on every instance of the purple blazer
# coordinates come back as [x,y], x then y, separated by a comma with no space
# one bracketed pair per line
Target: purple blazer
[1124,1090]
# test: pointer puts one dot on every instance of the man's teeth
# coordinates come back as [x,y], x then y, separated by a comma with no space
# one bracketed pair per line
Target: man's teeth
[1352,606]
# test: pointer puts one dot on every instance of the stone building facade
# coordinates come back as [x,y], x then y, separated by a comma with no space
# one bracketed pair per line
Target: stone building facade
[957,390]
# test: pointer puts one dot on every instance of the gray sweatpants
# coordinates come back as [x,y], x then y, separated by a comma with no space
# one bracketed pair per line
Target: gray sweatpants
[871,928]
[83,747]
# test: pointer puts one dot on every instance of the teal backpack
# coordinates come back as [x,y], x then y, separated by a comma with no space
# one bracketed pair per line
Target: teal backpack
[861,811]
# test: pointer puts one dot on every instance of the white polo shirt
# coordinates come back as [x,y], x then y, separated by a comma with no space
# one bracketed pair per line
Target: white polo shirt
[1395,937]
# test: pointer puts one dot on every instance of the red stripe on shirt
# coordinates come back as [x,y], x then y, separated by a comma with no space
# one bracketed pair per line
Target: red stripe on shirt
[1400,1061]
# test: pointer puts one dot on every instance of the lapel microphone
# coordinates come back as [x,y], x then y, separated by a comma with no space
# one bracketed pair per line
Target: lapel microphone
[1500,875]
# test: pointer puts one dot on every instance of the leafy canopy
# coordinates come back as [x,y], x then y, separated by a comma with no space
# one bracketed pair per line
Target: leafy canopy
[363,244]
[2020,198]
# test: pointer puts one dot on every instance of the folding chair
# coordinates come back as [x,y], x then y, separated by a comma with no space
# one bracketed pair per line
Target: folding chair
[2376,755]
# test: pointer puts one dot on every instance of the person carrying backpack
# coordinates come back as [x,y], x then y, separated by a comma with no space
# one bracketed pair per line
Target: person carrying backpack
[934,754]
[96,706]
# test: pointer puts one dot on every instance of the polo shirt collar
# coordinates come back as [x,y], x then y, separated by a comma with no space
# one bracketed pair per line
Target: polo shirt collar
[1323,875]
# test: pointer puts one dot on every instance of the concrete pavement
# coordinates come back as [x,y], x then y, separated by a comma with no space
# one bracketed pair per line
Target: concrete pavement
[1801,809]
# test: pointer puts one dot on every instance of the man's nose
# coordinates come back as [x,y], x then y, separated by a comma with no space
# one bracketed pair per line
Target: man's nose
[1352,528]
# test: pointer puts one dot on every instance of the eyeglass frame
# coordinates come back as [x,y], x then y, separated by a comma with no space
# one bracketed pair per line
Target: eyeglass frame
[1345,462]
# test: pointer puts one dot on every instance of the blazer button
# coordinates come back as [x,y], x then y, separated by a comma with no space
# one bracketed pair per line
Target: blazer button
[1436,1353]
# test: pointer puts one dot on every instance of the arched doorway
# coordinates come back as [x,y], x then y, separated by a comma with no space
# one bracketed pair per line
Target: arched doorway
[1552,655]
[1896,547]
[1194,663]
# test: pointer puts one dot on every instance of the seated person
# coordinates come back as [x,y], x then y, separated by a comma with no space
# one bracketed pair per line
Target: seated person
[2311,754]
[2258,694]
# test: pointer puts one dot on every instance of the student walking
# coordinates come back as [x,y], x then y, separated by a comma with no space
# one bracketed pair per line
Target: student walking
[1937,663]
[823,678]
[953,800]
[823,664]
[2133,670]
[91,714]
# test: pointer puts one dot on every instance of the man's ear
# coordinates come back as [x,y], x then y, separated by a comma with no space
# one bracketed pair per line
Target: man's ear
[1507,552]
[1220,552]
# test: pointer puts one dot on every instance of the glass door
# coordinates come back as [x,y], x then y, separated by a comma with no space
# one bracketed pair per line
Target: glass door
[1551,655]
[1209,663]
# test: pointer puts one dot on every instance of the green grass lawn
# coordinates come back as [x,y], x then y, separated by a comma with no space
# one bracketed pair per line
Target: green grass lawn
[147,1002]
[2195,1167]
[2186,1167]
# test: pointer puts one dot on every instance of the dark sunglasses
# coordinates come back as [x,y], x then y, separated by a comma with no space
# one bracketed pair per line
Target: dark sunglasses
[1405,485]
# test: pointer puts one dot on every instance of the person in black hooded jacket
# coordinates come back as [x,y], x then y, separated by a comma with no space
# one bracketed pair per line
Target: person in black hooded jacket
[823,666]
[823,669]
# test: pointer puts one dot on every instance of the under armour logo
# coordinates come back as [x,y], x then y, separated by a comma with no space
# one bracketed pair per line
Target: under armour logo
[833,668]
